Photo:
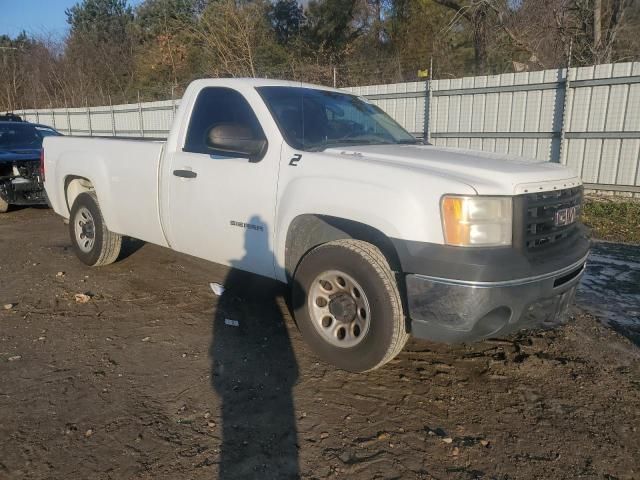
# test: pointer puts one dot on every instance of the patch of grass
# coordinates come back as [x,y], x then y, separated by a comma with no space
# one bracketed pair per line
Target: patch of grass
[613,219]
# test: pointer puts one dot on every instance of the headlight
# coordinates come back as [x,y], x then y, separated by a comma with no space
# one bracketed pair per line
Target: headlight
[476,221]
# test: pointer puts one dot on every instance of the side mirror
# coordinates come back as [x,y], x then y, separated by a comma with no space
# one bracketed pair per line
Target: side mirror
[236,139]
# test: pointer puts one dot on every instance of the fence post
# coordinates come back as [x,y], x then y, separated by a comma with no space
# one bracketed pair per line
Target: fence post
[53,118]
[68,119]
[563,127]
[335,77]
[140,116]
[113,118]
[37,116]
[86,102]
[428,99]
[173,101]
[173,106]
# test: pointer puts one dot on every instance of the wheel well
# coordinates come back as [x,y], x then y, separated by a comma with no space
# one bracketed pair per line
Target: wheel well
[74,186]
[308,231]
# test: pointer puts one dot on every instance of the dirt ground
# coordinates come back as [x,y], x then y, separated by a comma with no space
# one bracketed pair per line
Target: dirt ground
[145,380]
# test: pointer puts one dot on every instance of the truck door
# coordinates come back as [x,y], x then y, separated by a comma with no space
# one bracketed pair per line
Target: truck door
[218,205]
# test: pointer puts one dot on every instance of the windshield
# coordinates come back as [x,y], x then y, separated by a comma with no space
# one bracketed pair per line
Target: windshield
[312,120]
[20,135]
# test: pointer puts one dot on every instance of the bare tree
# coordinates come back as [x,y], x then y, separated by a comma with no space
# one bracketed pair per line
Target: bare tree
[477,14]
[230,35]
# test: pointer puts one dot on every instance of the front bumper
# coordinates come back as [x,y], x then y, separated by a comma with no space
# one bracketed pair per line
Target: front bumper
[453,311]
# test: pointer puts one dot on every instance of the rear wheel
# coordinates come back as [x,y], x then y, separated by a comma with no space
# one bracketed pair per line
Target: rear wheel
[347,305]
[92,242]
[4,205]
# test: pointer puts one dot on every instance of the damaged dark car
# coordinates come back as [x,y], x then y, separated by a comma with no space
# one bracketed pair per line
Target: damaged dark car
[20,178]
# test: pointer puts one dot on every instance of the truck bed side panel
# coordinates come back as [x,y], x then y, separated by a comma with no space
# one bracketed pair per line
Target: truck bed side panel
[124,174]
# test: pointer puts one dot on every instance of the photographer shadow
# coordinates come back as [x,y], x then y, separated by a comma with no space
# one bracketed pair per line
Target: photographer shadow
[254,370]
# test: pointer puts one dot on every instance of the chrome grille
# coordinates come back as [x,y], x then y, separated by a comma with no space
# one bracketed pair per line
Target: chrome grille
[540,211]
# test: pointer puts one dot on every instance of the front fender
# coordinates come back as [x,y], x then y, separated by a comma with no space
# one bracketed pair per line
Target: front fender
[395,212]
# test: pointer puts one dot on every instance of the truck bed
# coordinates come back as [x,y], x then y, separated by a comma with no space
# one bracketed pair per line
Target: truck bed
[124,173]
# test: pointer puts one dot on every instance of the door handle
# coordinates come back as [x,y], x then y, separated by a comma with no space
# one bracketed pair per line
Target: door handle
[185,173]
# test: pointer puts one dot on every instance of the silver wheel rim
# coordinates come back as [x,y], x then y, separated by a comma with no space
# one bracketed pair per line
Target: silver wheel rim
[84,228]
[339,309]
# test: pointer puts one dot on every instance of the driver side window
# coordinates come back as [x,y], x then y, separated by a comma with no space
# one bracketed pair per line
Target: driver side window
[218,106]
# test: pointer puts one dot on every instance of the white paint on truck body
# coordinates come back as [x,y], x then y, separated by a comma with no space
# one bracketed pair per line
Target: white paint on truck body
[124,174]
[395,189]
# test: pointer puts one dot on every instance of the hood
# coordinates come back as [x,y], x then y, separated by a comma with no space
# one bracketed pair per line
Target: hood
[487,173]
[18,154]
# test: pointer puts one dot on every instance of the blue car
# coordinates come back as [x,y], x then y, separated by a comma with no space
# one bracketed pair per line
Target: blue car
[20,179]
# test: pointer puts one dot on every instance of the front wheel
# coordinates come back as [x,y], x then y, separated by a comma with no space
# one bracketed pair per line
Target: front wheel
[347,305]
[92,242]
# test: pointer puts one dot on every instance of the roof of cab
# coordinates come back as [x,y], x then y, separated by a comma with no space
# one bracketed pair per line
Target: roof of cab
[259,82]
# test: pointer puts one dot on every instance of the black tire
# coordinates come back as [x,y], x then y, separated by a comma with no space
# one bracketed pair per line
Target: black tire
[386,335]
[4,205]
[106,244]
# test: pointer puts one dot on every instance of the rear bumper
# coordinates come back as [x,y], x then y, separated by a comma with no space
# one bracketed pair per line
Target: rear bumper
[23,191]
[453,311]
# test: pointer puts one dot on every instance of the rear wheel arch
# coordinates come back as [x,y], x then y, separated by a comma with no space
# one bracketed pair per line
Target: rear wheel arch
[308,231]
[74,186]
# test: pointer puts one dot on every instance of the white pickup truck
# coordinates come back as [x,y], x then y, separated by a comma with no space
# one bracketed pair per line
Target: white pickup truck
[378,235]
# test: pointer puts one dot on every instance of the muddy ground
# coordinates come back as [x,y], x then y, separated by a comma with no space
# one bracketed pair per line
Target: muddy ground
[610,289]
[146,380]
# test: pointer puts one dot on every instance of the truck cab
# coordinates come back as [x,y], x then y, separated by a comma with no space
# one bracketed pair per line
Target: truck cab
[378,235]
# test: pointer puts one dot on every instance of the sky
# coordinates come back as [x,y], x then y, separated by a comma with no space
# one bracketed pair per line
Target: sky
[38,17]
